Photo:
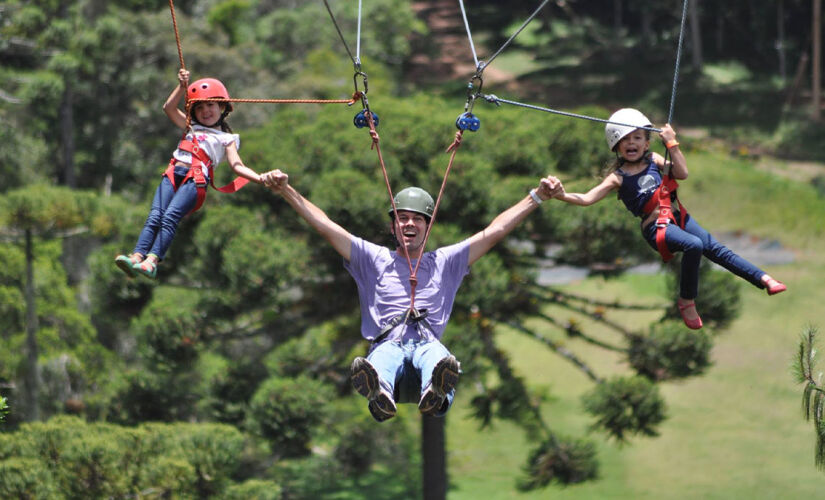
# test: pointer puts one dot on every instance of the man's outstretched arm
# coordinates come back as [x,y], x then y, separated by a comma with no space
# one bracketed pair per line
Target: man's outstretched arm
[506,221]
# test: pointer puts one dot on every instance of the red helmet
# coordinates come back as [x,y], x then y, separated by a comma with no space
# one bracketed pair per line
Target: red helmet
[208,88]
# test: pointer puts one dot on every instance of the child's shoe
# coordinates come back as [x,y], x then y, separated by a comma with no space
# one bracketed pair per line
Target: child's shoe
[693,324]
[444,379]
[125,263]
[148,268]
[365,381]
[773,286]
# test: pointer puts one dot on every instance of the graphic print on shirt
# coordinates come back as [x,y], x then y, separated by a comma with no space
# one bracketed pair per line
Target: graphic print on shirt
[647,184]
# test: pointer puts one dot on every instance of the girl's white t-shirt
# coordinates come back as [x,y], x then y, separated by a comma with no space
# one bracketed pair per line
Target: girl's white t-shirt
[211,140]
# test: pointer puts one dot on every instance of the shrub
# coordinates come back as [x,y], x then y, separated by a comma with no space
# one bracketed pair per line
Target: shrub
[670,350]
[285,411]
[626,405]
[566,461]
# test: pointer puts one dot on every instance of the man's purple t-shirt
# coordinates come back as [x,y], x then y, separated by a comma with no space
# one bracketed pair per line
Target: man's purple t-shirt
[383,279]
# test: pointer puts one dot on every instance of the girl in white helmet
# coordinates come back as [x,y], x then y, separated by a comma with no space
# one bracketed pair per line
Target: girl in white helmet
[646,185]
[208,141]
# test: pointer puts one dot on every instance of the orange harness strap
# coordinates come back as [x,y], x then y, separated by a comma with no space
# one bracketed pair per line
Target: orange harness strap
[200,161]
[661,199]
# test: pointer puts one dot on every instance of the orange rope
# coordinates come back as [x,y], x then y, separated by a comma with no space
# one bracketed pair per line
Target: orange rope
[283,101]
[357,95]
[177,36]
[452,148]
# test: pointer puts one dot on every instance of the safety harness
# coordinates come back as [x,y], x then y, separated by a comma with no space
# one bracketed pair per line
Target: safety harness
[200,161]
[411,316]
[661,198]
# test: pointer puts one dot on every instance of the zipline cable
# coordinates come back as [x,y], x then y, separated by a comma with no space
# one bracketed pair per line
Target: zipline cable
[497,100]
[480,65]
[678,59]
[358,38]
[676,71]
[514,35]
[469,35]
[356,60]
[680,47]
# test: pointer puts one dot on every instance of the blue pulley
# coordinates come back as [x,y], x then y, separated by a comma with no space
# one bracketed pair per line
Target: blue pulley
[360,119]
[468,121]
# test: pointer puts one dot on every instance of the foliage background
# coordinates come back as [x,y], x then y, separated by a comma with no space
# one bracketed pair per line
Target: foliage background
[228,377]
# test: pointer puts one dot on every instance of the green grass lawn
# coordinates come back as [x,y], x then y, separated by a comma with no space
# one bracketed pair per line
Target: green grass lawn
[735,432]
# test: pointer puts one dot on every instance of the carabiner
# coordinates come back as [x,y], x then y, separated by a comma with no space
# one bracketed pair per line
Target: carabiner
[471,94]
[364,79]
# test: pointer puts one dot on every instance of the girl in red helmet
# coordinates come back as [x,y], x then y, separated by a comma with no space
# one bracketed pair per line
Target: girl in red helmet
[208,141]
[647,185]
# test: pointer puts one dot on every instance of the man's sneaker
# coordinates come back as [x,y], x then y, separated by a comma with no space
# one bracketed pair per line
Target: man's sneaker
[365,381]
[444,379]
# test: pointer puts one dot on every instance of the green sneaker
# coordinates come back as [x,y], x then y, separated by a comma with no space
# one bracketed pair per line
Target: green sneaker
[125,264]
[146,268]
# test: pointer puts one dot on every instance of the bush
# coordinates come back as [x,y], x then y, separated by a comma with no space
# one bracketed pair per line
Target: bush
[624,406]
[68,458]
[285,412]
[254,489]
[565,461]
[27,478]
[801,138]
[670,350]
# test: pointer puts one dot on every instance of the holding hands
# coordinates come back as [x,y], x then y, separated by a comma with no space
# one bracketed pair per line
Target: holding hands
[550,187]
[276,180]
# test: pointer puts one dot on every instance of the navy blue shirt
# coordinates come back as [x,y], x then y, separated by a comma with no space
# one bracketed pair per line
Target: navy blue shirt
[637,189]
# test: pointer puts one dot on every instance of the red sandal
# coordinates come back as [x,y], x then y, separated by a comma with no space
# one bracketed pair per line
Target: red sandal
[693,324]
[773,286]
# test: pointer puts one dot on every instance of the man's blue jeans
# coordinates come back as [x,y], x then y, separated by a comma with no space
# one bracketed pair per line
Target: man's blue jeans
[405,369]
[168,208]
[693,241]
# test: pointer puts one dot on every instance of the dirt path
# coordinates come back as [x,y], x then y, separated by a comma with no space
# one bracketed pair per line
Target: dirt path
[445,54]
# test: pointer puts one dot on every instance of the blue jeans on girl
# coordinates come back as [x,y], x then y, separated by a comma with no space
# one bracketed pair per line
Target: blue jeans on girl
[168,208]
[405,369]
[693,241]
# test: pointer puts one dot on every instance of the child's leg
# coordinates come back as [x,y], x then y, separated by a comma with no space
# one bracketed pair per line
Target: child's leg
[181,203]
[691,246]
[725,257]
[163,196]
[679,240]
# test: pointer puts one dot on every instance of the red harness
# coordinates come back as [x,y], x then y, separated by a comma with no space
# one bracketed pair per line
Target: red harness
[661,199]
[200,161]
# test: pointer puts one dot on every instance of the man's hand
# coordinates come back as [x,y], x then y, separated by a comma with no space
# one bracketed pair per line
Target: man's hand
[550,187]
[275,180]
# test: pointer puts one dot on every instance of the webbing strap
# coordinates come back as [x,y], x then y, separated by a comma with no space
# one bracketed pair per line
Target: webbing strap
[661,199]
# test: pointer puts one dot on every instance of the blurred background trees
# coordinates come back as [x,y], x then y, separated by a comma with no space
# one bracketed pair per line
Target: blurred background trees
[239,354]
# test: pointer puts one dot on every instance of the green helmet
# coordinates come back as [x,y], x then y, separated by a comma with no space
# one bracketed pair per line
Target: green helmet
[414,199]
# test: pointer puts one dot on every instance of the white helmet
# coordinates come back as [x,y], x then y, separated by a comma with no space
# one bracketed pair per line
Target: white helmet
[630,118]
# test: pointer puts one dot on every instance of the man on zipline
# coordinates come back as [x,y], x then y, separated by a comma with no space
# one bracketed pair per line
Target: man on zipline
[406,350]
